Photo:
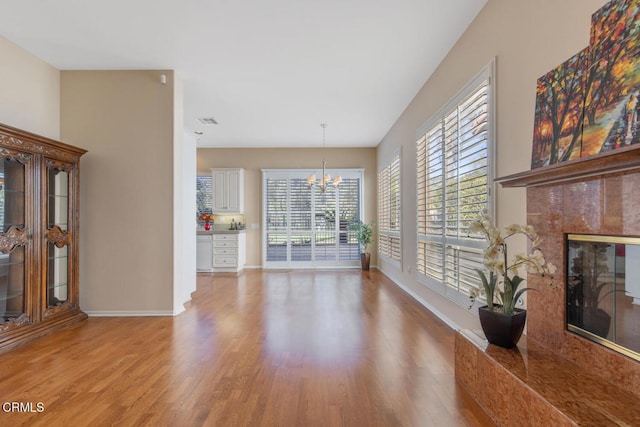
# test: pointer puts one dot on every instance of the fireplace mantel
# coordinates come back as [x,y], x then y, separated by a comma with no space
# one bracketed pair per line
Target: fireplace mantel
[622,159]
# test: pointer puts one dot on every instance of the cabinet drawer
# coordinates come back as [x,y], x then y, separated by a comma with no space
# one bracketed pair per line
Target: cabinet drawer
[224,244]
[225,237]
[225,261]
[225,251]
[225,240]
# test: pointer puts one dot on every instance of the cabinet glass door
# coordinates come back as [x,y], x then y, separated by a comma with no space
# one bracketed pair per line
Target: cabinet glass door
[58,238]
[13,239]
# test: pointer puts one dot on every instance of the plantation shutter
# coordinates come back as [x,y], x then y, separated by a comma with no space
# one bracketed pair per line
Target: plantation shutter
[384,245]
[389,210]
[277,201]
[300,219]
[394,209]
[325,230]
[349,191]
[452,190]
[204,194]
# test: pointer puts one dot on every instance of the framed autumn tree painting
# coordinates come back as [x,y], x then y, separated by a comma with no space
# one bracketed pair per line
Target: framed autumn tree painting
[560,98]
[591,103]
[612,108]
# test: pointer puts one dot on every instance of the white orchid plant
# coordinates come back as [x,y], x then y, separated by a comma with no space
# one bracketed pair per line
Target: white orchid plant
[501,287]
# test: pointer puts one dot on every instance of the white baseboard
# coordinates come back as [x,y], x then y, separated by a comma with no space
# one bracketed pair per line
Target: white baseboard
[129,313]
[259,267]
[453,325]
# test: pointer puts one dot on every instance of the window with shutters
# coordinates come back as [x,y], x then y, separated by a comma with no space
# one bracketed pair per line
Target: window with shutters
[204,194]
[454,181]
[389,210]
[306,227]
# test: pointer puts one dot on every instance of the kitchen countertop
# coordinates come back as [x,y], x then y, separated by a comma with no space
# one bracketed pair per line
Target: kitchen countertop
[205,232]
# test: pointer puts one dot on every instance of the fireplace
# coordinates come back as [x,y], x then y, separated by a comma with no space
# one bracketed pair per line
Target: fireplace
[563,376]
[594,196]
[602,290]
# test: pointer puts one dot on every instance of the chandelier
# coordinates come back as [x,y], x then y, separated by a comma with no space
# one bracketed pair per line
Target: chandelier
[325,178]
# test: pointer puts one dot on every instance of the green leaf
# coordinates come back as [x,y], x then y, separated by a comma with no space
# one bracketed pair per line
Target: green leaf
[364,232]
[512,294]
[515,282]
[488,285]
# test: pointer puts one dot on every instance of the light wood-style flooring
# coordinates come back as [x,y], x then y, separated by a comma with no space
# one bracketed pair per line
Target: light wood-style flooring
[284,348]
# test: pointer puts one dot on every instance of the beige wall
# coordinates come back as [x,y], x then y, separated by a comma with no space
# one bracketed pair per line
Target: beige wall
[527,38]
[30,92]
[254,160]
[125,121]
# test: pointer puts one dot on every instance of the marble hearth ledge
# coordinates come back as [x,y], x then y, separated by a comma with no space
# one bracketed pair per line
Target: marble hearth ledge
[531,386]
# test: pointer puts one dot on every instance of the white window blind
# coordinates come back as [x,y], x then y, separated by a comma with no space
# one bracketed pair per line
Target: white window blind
[204,194]
[305,227]
[454,174]
[389,210]
[276,197]
[349,193]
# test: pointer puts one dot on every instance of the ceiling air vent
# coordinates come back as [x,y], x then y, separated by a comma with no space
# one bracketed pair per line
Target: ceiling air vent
[208,121]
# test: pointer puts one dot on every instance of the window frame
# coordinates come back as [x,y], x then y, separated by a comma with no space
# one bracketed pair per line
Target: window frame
[477,244]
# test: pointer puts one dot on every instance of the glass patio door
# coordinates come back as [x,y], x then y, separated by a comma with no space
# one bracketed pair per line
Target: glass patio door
[305,227]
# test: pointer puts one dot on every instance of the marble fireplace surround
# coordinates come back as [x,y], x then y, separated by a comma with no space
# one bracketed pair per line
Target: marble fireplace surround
[560,378]
[593,195]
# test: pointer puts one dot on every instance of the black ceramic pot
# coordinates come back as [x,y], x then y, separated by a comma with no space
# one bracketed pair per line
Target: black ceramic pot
[502,329]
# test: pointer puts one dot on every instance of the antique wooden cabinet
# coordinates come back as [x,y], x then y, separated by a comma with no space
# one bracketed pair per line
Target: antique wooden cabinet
[39,187]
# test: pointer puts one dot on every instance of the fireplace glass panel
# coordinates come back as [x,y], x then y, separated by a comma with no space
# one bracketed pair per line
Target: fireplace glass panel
[603,290]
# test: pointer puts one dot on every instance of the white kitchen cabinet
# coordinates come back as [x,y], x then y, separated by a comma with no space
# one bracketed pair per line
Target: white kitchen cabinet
[228,190]
[204,253]
[229,252]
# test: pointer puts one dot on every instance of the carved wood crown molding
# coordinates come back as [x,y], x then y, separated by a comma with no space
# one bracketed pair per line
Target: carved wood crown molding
[620,160]
[13,238]
[15,155]
[59,165]
[58,236]
[26,145]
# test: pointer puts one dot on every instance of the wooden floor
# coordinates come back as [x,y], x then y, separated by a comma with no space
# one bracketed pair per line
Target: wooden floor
[281,348]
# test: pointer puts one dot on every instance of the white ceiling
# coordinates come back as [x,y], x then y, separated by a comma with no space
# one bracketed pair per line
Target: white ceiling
[269,71]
